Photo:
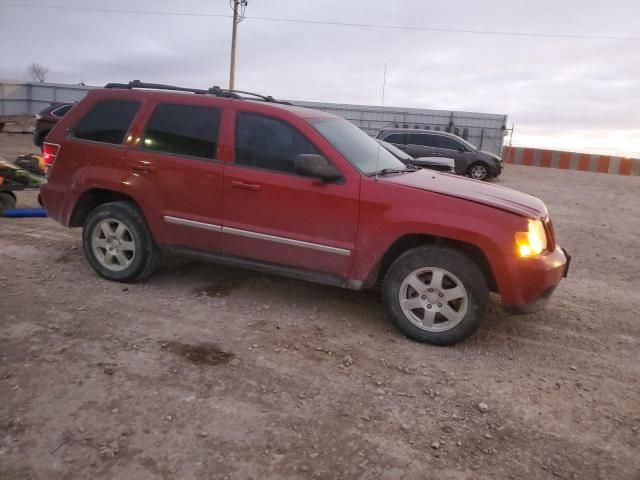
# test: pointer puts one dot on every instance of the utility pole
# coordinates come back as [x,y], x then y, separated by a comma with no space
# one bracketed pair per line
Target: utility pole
[238,16]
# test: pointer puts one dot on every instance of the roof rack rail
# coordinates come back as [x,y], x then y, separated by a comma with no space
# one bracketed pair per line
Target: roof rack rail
[265,98]
[215,90]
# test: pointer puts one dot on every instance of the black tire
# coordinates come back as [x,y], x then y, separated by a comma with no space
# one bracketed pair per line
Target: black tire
[146,257]
[479,171]
[450,260]
[7,200]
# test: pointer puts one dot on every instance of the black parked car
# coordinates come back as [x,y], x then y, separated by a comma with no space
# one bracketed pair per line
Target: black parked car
[440,164]
[469,161]
[47,118]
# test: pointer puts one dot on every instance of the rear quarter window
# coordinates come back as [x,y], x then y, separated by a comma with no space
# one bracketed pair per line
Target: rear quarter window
[107,122]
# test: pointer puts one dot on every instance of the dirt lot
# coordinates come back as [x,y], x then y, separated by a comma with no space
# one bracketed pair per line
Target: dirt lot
[204,372]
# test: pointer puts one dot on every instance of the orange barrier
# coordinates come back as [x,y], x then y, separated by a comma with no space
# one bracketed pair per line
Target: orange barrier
[538,157]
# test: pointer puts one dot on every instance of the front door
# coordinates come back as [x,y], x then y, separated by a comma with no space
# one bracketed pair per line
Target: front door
[174,163]
[451,148]
[272,214]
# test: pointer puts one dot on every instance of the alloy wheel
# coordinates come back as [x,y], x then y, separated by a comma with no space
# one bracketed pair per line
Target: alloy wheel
[433,299]
[112,244]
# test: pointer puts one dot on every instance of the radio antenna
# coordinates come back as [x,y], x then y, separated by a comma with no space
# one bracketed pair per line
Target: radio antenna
[384,83]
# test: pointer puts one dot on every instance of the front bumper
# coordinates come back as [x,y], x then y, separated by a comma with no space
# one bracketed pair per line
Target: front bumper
[534,280]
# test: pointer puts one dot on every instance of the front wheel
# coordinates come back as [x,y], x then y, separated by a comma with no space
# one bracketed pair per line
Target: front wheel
[479,171]
[436,295]
[118,244]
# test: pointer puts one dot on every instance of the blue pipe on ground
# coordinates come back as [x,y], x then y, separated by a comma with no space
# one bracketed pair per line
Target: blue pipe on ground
[24,212]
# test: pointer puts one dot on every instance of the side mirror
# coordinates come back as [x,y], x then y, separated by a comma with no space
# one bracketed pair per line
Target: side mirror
[462,149]
[316,166]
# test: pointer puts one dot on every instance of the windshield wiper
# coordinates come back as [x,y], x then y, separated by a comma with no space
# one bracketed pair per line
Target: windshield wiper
[387,171]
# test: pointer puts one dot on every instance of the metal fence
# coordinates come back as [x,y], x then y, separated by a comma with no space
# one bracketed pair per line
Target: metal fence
[18,98]
[484,130]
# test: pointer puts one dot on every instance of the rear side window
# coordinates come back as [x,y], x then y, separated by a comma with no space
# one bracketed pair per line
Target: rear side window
[398,138]
[422,139]
[183,130]
[265,142]
[107,122]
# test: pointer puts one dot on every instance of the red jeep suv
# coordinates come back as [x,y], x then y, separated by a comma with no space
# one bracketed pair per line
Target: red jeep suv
[145,168]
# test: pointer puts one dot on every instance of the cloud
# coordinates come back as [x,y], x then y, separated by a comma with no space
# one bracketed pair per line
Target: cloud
[565,93]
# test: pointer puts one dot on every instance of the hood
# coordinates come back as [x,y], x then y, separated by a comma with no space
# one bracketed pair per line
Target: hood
[473,190]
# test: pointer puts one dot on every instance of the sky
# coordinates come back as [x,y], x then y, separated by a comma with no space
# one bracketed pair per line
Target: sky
[567,93]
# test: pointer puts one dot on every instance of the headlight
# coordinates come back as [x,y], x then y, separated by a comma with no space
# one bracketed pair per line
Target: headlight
[533,242]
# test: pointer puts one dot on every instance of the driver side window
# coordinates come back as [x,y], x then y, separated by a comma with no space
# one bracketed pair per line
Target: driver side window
[268,143]
[450,144]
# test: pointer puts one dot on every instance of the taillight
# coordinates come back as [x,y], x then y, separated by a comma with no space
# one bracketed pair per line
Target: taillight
[49,153]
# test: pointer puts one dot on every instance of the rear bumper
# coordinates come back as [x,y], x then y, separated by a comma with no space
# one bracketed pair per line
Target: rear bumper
[533,280]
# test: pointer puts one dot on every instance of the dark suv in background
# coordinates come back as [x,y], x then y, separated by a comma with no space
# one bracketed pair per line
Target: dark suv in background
[46,119]
[469,161]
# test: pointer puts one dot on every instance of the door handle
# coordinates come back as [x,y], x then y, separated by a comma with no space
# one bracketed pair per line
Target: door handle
[254,187]
[143,166]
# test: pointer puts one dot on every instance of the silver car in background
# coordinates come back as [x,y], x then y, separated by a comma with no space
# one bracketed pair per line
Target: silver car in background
[441,164]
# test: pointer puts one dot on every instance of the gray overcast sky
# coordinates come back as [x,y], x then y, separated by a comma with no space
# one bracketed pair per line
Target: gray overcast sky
[561,93]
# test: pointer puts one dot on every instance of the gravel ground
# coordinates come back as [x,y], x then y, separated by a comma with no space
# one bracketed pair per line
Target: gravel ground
[205,372]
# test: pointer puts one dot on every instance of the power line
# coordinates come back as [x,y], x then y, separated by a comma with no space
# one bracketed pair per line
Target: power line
[331,23]
[114,10]
[451,30]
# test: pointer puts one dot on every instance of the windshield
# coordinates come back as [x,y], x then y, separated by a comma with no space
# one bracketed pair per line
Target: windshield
[356,146]
[395,151]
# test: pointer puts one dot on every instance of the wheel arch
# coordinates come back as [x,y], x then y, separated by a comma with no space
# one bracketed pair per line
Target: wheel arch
[410,241]
[93,198]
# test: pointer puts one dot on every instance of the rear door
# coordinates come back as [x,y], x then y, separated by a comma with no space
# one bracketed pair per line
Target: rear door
[422,145]
[174,162]
[272,214]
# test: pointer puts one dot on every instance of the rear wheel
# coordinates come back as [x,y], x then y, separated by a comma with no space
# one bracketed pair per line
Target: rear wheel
[436,295]
[479,171]
[118,244]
